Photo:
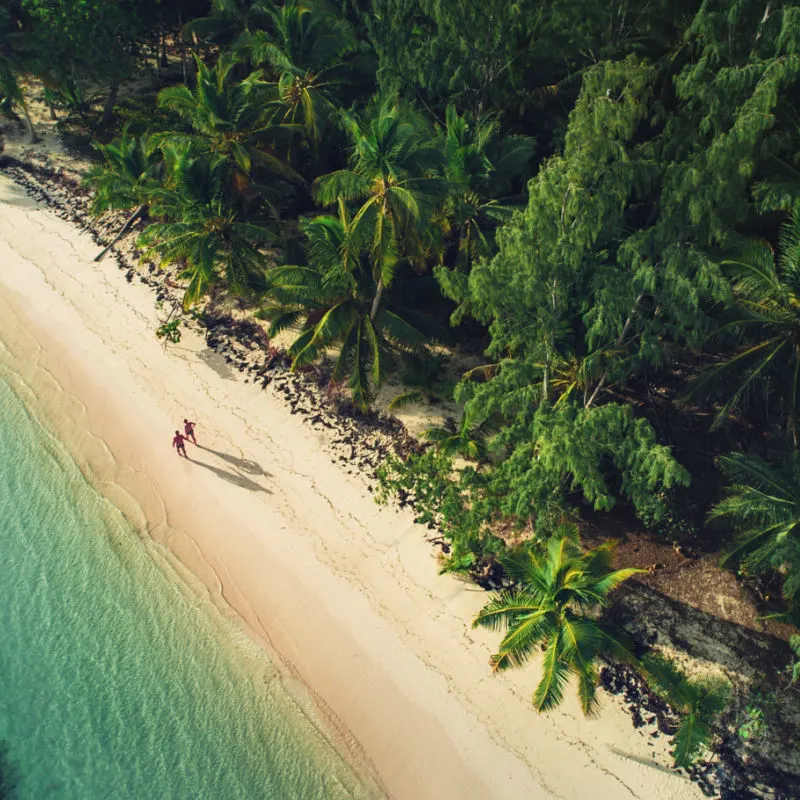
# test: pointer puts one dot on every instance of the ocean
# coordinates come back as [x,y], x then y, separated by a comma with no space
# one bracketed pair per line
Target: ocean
[119,678]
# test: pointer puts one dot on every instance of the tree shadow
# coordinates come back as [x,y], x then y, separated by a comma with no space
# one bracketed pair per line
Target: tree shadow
[216,362]
[754,660]
[244,464]
[22,201]
[704,635]
[232,477]
[645,762]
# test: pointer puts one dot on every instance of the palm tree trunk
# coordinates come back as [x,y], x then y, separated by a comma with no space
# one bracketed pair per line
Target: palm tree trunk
[26,117]
[377,300]
[122,231]
[164,62]
[111,101]
[792,418]
[546,379]
[183,51]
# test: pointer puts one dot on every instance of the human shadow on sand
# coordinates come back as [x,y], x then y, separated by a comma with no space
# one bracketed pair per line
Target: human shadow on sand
[232,477]
[244,464]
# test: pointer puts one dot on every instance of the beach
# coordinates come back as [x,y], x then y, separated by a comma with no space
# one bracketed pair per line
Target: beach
[343,594]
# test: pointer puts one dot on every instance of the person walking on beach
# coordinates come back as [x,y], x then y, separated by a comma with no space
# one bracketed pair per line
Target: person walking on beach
[178,443]
[188,429]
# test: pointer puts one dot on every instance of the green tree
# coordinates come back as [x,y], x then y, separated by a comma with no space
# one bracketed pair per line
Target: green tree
[556,590]
[393,159]
[656,171]
[463,438]
[598,278]
[304,46]
[763,504]
[766,310]
[525,62]
[456,501]
[333,297]
[481,168]
[547,451]
[83,43]
[230,119]
[125,180]
[231,22]
[202,226]
[15,56]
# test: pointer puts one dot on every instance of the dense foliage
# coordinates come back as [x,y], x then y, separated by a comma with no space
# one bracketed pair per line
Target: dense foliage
[603,199]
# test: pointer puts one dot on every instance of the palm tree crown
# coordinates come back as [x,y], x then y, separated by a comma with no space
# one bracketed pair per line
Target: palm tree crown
[229,118]
[126,179]
[127,176]
[201,225]
[556,587]
[332,297]
[231,21]
[304,47]
[767,304]
[392,176]
[764,504]
[480,167]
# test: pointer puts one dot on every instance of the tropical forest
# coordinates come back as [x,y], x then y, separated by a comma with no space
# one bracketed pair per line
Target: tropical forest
[570,229]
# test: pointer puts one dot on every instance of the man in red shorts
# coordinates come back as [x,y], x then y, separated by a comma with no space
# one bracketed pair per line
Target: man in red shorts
[178,443]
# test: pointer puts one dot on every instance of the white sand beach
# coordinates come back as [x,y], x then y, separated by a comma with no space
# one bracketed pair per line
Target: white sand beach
[344,593]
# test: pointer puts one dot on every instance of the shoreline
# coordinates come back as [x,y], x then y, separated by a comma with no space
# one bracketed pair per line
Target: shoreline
[346,593]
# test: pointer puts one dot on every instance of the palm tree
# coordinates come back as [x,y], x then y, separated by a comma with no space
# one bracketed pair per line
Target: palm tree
[202,226]
[391,175]
[15,53]
[126,180]
[332,298]
[556,587]
[466,439]
[764,504]
[766,292]
[480,167]
[304,47]
[229,119]
[231,22]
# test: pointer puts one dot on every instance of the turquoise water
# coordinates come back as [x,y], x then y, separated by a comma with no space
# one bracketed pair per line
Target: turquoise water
[116,679]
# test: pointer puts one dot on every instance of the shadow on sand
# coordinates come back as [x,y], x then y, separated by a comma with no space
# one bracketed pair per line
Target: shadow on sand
[232,477]
[216,362]
[251,467]
[645,762]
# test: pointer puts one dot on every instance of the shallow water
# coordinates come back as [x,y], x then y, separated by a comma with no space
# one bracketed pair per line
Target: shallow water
[118,680]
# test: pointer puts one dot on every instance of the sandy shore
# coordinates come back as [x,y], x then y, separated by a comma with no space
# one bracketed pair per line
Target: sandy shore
[344,592]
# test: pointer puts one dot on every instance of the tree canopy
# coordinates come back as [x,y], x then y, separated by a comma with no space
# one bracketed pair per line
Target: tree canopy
[595,205]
